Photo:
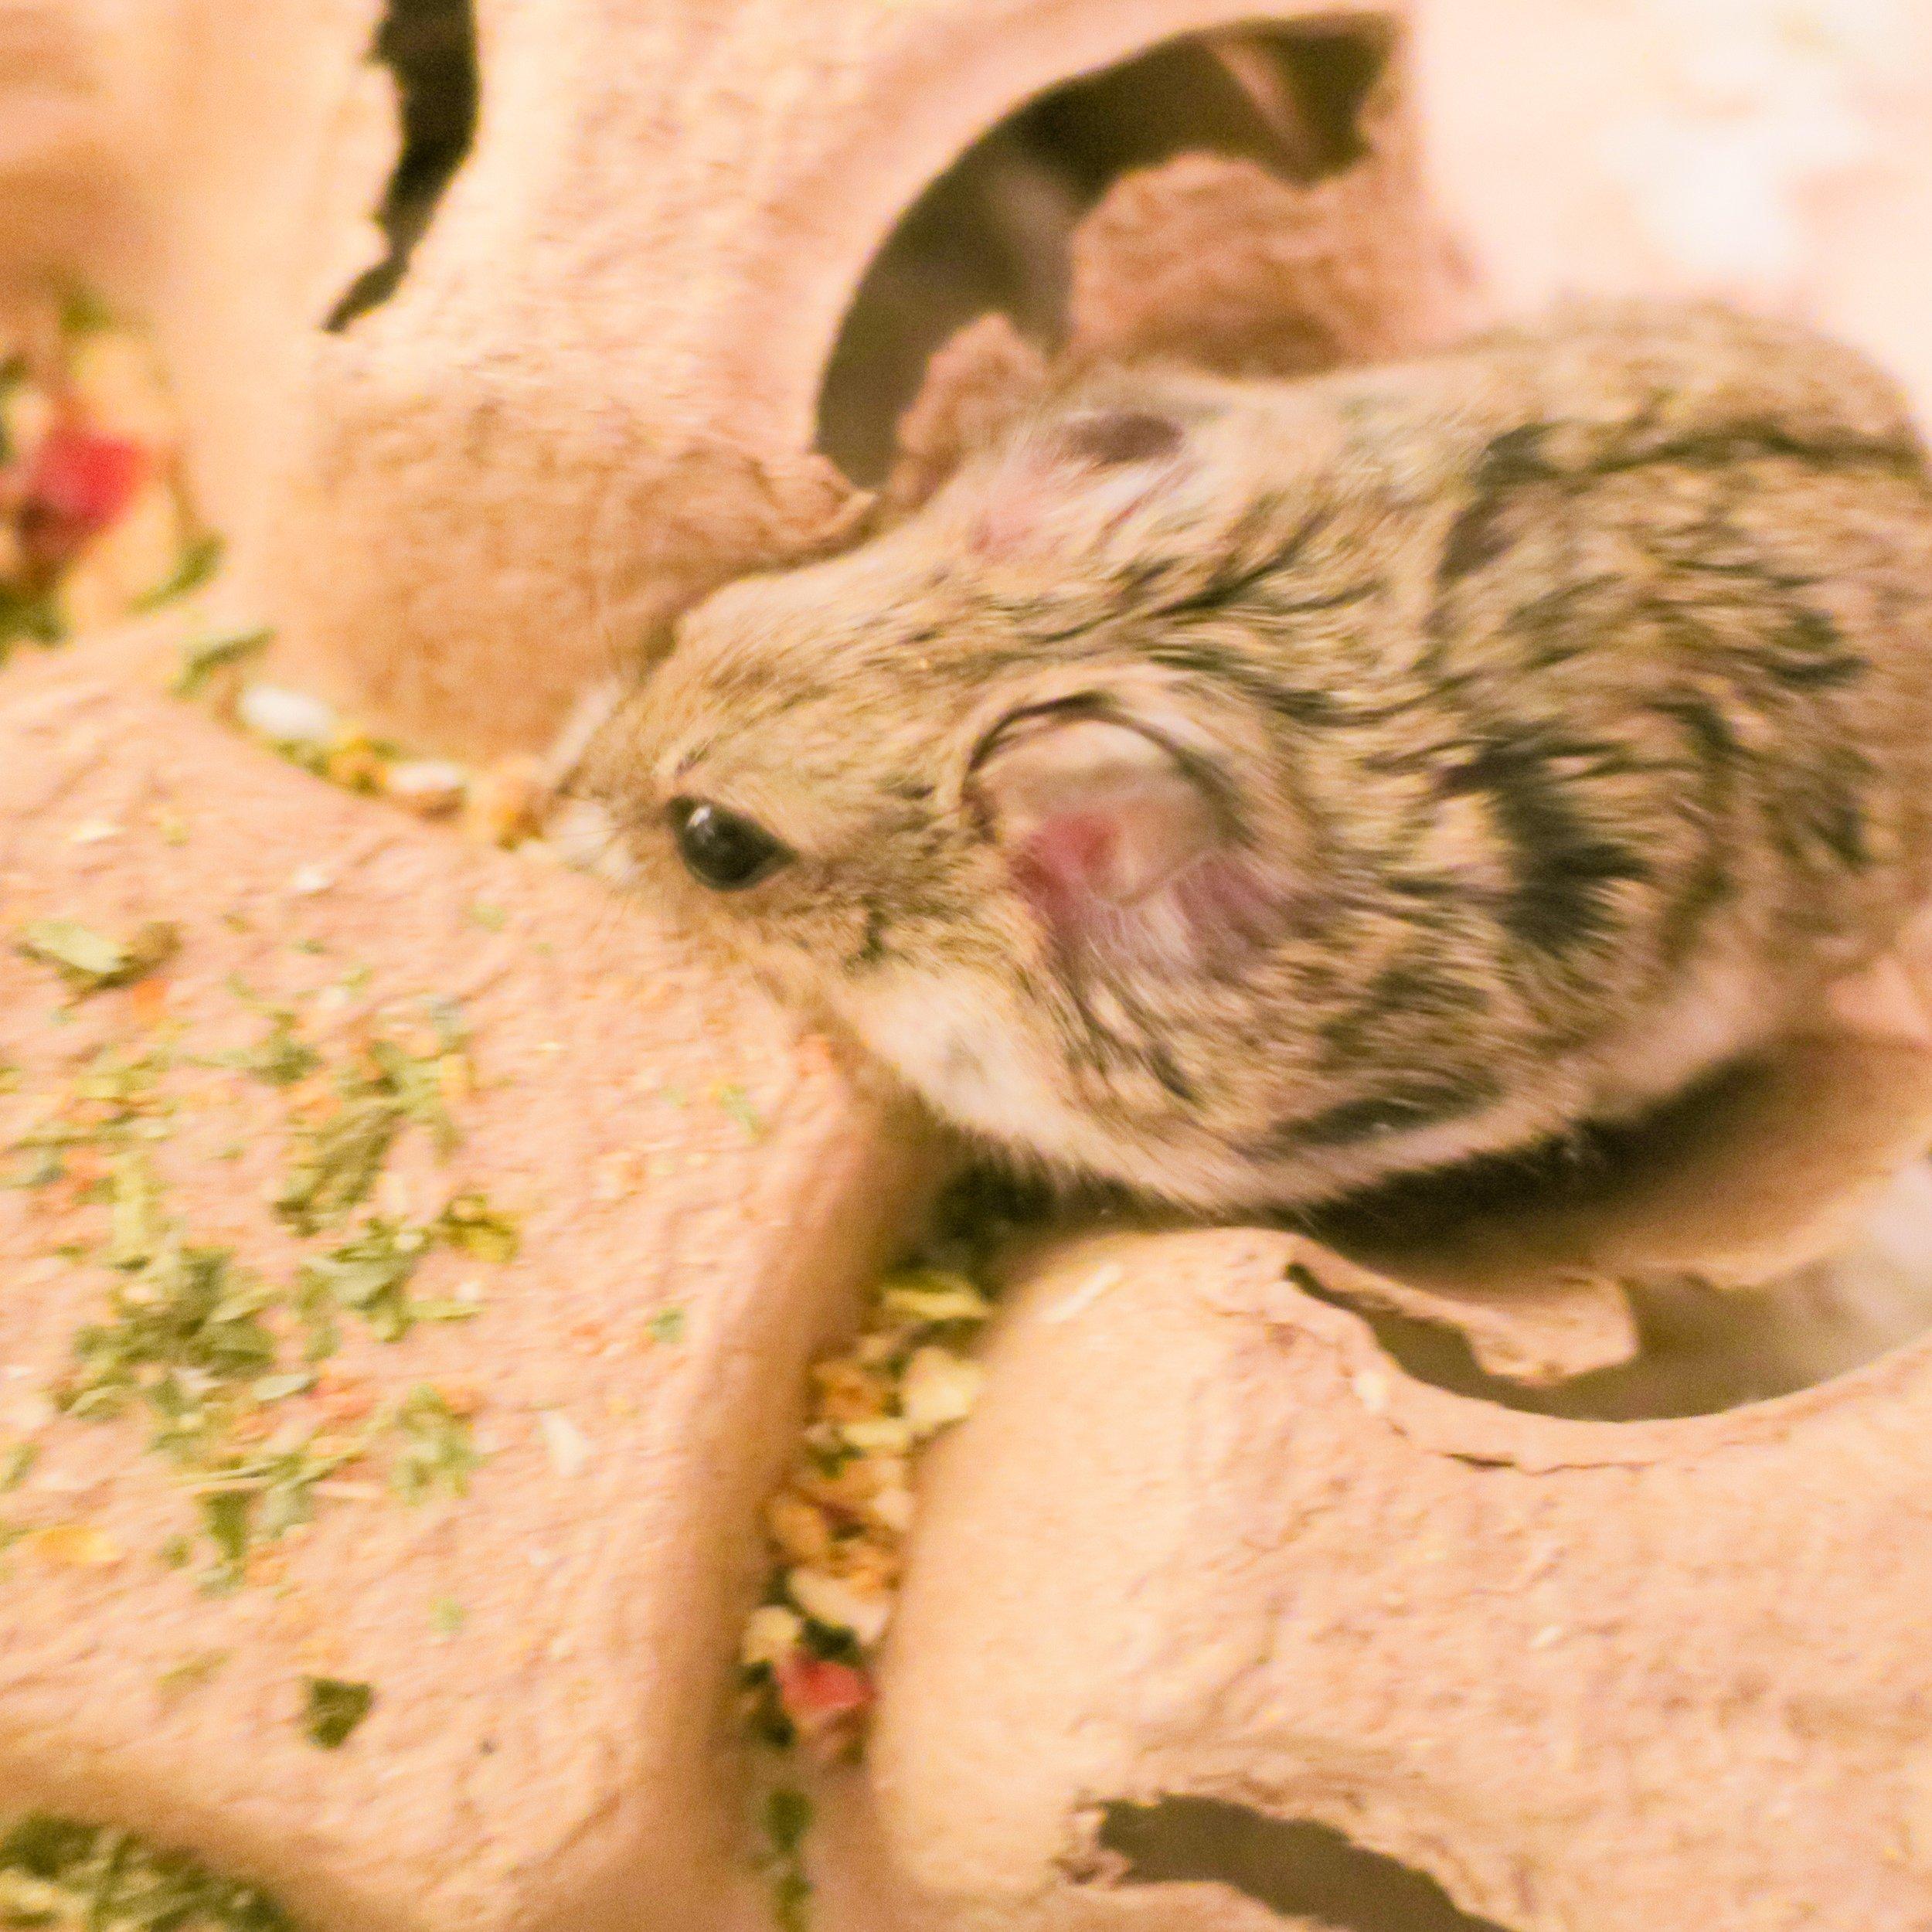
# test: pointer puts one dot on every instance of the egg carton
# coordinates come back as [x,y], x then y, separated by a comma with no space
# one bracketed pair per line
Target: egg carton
[1207,1553]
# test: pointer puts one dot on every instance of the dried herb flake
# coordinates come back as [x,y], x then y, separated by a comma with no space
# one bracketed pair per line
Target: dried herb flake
[788,1818]
[61,1873]
[90,961]
[437,1454]
[334,1708]
[200,662]
[471,1226]
[199,558]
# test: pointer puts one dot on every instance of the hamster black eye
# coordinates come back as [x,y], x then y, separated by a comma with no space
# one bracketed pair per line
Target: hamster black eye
[721,849]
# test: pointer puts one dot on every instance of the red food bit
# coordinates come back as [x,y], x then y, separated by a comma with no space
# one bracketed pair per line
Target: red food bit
[78,482]
[823,1699]
[148,998]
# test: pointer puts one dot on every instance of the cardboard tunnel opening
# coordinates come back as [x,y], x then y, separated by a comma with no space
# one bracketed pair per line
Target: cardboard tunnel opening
[1308,1872]
[994,233]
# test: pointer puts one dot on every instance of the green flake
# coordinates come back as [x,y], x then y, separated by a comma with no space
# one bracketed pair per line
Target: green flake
[667,1326]
[471,1225]
[200,1348]
[491,918]
[201,662]
[83,312]
[315,1306]
[437,1454]
[16,1465]
[136,1226]
[61,1873]
[281,1056]
[283,1477]
[335,1707]
[339,1162]
[89,960]
[279,1388]
[199,558]
[76,949]
[370,1273]
[191,1672]
[41,1163]
[737,1104]
[414,1082]
[787,1819]
[179,1332]
[340,1159]
[448,1616]
[227,1515]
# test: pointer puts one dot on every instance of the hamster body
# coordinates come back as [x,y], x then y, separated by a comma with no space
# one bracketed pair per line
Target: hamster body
[1249,792]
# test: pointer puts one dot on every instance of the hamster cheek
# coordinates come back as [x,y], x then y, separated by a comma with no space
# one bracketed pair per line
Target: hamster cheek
[953,1045]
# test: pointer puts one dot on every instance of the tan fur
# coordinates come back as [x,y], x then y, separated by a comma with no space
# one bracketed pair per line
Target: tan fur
[1564,698]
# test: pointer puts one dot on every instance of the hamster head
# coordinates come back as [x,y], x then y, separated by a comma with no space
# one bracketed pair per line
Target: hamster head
[934,792]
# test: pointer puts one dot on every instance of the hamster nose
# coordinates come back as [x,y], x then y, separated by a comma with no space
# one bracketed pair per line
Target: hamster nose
[723,849]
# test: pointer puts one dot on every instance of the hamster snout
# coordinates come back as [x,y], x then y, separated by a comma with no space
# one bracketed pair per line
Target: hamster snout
[1251,791]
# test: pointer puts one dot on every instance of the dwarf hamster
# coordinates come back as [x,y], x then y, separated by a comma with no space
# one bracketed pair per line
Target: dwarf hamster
[1252,791]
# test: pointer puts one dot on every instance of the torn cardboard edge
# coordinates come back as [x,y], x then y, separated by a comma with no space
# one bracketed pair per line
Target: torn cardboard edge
[1220,263]
[1760,1174]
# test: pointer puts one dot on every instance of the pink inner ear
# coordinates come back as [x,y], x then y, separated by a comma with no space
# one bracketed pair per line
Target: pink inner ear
[1096,818]
[1064,867]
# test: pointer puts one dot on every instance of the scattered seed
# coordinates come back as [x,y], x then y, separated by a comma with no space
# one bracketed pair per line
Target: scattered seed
[285,717]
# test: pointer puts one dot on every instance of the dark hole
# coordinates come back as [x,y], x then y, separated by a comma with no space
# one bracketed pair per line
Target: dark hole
[431,47]
[1295,1867]
[992,232]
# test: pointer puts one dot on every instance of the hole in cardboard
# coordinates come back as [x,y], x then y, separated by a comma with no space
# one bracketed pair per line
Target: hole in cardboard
[1705,1350]
[1307,1871]
[430,46]
[992,233]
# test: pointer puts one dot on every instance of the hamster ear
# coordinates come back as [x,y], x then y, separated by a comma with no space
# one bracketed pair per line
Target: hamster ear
[1094,466]
[1095,816]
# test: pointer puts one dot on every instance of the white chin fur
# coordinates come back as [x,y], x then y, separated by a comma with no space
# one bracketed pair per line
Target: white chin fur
[954,1044]
[948,1042]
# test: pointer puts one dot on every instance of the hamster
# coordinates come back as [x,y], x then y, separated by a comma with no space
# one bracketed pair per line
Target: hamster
[1252,791]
